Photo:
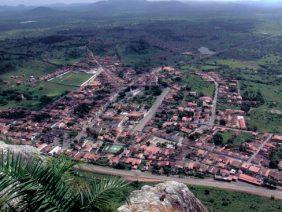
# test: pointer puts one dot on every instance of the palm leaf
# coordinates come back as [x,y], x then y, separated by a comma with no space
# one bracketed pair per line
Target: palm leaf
[51,185]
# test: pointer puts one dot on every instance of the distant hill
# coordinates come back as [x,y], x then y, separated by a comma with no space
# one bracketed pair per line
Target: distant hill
[108,8]
[134,6]
[117,7]
[40,10]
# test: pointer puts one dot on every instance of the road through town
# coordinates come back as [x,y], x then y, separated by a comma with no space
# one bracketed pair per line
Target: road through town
[213,116]
[151,113]
[261,146]
[147,177]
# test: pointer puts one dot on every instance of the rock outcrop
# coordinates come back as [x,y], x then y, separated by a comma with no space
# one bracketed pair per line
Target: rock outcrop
[170,196]
[24,150]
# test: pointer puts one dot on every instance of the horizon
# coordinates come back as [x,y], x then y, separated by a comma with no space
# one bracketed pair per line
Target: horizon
[69,2]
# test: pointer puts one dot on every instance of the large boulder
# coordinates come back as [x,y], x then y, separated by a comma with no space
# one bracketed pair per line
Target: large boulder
[170,196]
[25,150]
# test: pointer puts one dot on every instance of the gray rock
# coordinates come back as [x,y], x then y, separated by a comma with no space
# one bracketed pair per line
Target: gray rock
[25,150]
[170,196]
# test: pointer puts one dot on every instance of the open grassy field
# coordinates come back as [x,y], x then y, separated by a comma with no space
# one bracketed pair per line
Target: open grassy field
[34,94]
[237,64]
[220,200]
[30,68]
[268,117]
[54,90]
[199,85]
[20,93]
[265,119]
[71,78]
[65,61]
[237,138]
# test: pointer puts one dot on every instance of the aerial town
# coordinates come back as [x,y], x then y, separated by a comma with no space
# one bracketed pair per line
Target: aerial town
[149,122]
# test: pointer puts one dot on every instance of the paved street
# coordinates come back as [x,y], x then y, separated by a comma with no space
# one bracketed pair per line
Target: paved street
[147,177]
[261,146]
[213,116]
[151,113]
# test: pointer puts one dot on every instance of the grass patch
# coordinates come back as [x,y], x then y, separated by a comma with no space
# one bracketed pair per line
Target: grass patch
[201,86]
[26,70]
[32,95]
[220,200]
[234,140]
[67,61]
[268,117]
[264,120]
[113,148]
[237,64]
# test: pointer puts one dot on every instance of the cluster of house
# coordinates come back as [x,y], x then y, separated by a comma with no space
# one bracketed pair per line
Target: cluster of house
[62,119]
[232,118]
[147,152]
[98,123]
[181,112]
[228,104]
[228,93]
[20,79]
[262,158]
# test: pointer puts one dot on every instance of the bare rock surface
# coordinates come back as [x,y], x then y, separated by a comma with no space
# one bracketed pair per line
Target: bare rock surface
[170,196]
[24,150]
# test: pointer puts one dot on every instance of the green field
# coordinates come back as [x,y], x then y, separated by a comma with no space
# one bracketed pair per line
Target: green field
[268,117]
[221,200]
[34,93]
[199,85]
[265,119]
[237,64]
[72,78]
[65,61]
[237,139]
[27,95]
[27,69]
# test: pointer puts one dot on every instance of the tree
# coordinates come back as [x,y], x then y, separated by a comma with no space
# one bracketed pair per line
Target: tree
[81,110]
[275,156]
[218,139]
[245,107]
[222,122]
[32,184]
[44,100]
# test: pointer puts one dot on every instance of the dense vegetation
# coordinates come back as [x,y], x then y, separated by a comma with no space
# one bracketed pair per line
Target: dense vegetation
[33,184]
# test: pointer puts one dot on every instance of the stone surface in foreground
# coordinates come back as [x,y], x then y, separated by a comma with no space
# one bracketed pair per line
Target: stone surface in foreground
[24,150]
[170,196]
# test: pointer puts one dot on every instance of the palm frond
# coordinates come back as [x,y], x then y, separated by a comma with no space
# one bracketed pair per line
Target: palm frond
[101,191]
[51,185]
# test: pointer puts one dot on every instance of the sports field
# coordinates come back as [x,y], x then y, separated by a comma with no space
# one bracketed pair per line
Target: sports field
[113,148]
[72,78]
